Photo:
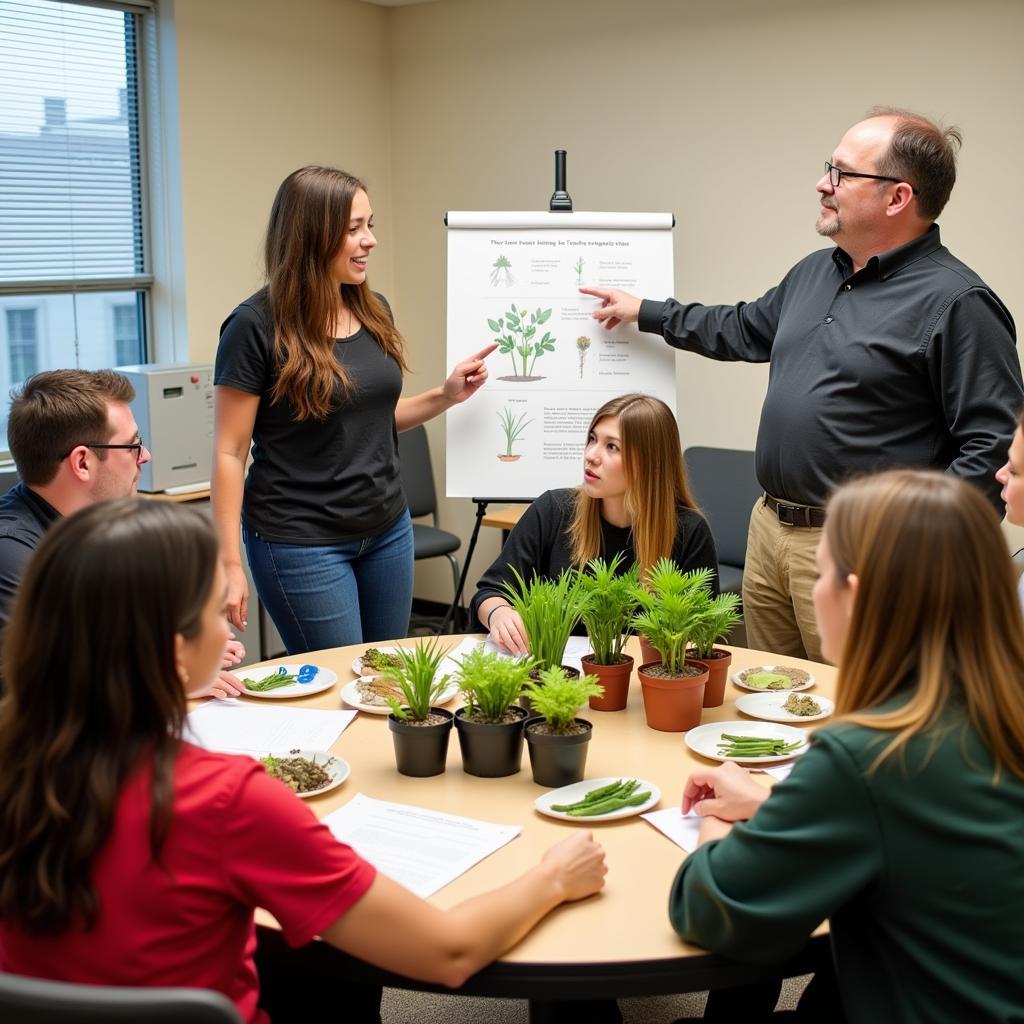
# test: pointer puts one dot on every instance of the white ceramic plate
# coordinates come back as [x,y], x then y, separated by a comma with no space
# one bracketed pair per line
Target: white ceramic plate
[350,695]
[704,740]
[768,668]
[578,790]
[336,767]
[768,707]
[323,680]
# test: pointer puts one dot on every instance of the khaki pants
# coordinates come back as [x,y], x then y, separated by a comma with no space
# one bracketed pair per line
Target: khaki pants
[778,583]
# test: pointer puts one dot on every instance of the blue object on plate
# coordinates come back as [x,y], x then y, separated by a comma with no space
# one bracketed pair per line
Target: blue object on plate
[307,673]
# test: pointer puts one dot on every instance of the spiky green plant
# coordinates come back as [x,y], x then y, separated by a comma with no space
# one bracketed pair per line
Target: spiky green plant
[515,333]
[720,615]
[671,606]
[491,683]
[558,698]
[513,427]
[610,606]
[416,677]
[550,610]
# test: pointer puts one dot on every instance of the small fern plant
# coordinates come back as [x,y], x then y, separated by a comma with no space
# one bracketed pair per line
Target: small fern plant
[491,683]
[558,697]
[550,610]
[609,608]
[720,616]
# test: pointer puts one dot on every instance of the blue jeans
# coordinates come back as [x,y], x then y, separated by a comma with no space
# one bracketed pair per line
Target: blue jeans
[336,594]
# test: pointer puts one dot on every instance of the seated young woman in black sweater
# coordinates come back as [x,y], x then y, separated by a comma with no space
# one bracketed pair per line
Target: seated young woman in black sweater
[634,499]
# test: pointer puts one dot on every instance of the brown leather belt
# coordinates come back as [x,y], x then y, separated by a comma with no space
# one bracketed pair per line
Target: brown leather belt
[795,515]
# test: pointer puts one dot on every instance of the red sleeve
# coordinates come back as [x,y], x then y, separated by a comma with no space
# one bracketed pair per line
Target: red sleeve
[279,857]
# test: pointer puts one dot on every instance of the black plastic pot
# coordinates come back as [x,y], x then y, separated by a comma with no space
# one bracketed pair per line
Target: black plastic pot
[421,750]
[524,700]
[557,760]
[490,751]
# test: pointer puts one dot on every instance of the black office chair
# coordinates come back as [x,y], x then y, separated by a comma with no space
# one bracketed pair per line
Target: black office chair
[37,1001]
[418,482]
[726,488]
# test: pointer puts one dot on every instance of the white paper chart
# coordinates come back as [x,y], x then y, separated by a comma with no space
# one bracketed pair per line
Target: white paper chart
[513,279]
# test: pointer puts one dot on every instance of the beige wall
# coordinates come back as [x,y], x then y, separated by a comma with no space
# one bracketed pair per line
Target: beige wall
[721,112]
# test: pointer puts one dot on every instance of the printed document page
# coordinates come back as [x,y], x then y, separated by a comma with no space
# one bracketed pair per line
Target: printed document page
[234,727]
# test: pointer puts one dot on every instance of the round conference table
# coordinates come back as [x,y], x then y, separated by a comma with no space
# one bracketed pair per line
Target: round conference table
[618,943]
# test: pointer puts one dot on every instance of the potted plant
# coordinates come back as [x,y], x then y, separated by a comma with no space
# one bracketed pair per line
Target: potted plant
[607,613]
[671,604]
[490,726]
[558,740]
[720,615]
[550,610]
[420,732]
[512,427]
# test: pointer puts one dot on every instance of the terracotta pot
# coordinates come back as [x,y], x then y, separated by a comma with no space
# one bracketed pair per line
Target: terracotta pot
[673,705]
[648,653]
[557,760]
[509,458]
[614,679]
[524,700]
[718,668]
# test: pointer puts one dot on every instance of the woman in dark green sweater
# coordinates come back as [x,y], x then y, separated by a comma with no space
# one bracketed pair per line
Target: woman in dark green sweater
[904,822]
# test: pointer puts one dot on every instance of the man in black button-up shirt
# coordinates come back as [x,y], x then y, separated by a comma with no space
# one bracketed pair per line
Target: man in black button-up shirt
[885,351]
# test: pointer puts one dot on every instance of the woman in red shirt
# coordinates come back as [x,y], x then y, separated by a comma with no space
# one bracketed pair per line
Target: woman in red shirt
[131,857]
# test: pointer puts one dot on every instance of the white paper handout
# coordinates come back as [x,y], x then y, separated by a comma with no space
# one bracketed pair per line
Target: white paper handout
[420,849]
[575,649]
[681,828]
[233,727]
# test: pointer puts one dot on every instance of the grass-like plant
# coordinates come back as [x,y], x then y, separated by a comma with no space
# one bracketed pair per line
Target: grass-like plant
[671,607]
[609,608]
[416,677]
[720,615]
[491,683]
[515,333]
[513,427]
[501,271]
[550,610]
[558,698]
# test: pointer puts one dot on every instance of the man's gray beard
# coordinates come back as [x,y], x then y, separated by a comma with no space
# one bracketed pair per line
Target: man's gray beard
[828,228]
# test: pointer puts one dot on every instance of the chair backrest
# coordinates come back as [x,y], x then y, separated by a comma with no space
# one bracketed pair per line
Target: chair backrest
[726,487]
[37,1001]
[417,473]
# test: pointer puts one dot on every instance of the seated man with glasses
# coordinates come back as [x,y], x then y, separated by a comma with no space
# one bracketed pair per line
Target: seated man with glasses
[74,442]
[886,351]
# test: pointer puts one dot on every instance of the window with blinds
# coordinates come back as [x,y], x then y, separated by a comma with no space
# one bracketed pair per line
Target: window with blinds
[74,268]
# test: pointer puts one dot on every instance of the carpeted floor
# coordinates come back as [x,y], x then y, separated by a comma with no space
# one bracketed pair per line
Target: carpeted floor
[401,1007]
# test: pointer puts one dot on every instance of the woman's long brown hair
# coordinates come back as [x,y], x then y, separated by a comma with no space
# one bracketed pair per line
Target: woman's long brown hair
[308,224]
[92,695]
[936,613]
[656,482]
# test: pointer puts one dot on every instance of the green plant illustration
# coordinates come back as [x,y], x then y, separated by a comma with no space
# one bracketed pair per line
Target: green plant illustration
[578,267]
[516,334]
[512,426]
[501,272]
[582,346]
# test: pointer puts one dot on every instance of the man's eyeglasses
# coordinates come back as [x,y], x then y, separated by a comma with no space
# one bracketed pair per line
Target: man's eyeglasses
[836,175]
[135,446]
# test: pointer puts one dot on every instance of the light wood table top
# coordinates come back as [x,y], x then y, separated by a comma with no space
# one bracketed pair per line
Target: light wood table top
[505,517]
[626,926]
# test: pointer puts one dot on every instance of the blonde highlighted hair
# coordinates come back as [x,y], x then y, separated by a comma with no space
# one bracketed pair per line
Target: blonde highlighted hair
[936,613]
[308,224]
[656,482]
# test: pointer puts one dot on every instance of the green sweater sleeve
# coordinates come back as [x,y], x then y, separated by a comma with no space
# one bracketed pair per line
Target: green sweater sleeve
[757,894]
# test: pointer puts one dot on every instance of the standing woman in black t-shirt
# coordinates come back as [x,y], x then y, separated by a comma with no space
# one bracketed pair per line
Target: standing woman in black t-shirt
[309,372]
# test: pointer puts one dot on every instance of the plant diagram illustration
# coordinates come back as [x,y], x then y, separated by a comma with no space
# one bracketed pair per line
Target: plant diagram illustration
[582,346]
[516,336]
[512,427]
[501,272]
[578,267]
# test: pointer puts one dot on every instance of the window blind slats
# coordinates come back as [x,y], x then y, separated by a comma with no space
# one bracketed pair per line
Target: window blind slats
[70,189]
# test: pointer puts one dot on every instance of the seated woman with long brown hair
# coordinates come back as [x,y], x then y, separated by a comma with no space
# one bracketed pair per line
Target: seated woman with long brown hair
[904,822]
[128,856]
[634,500]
